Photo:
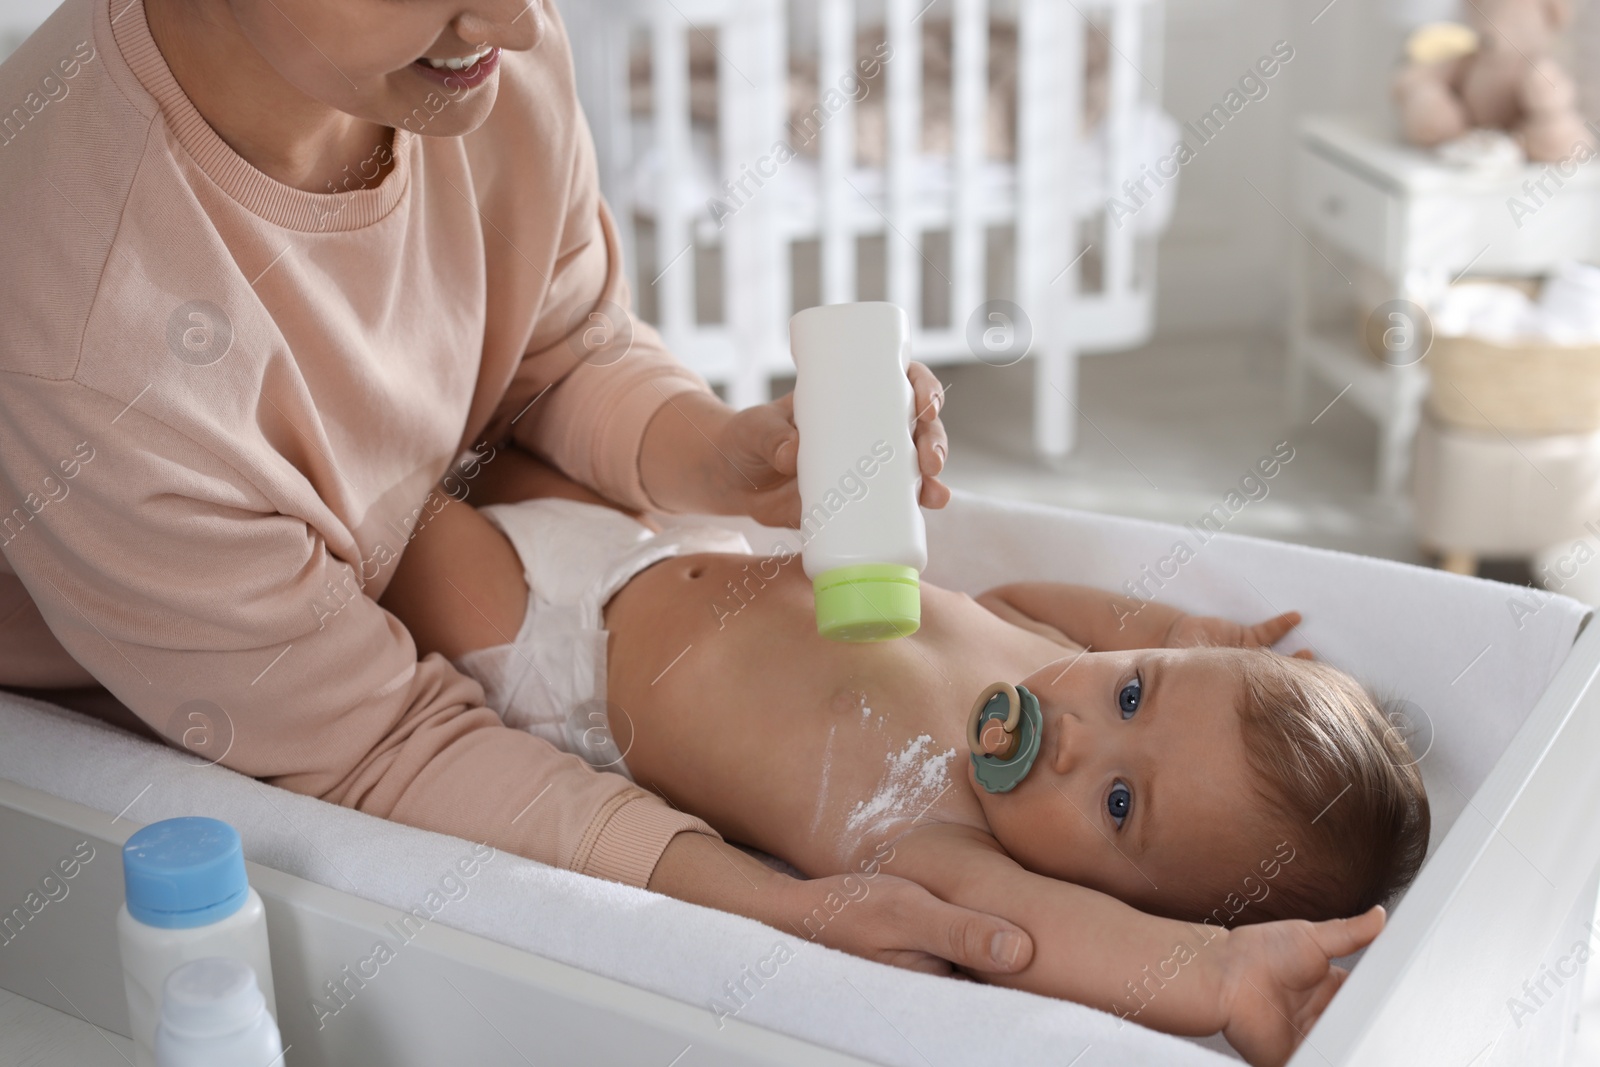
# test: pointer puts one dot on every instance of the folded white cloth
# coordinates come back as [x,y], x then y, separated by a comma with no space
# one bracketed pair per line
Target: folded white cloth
[1486,310]
[1483,150]
[1569,303]
[1567,311]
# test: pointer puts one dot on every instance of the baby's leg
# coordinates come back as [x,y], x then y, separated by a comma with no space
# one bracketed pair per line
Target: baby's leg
[514,596]
[459,584]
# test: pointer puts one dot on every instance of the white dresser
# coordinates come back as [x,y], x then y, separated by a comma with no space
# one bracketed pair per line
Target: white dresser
[1374,217]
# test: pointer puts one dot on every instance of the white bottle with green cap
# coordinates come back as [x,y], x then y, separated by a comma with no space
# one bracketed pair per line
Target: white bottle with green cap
[865,545]
[187,897]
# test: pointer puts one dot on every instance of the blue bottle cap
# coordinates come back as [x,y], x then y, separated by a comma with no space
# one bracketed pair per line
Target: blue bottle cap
[180,873]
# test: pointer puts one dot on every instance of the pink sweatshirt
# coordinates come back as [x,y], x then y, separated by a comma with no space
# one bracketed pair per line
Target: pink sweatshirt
[223,401]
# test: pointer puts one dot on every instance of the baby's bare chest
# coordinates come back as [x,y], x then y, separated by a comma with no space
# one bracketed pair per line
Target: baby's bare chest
[814,750]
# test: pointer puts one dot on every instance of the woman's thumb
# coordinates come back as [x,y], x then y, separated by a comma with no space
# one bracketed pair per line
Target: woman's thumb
[785,457]
[780,440]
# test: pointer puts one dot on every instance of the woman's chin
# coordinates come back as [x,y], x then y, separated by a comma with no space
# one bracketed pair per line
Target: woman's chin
[433,114]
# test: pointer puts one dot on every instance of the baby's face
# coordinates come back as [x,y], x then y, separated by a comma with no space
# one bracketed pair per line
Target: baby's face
[1141,787]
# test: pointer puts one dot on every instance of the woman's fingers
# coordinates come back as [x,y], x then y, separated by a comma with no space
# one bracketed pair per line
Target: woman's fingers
[918,961]
[975,941]
[928,392]
[776,441]
[935,494]
[928,435]
[933,445]
[772,436]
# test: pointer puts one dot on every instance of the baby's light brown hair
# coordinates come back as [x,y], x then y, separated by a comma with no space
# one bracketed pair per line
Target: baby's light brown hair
[1341,784]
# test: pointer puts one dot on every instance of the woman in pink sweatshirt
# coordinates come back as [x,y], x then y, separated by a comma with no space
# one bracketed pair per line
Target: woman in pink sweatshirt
[274,265]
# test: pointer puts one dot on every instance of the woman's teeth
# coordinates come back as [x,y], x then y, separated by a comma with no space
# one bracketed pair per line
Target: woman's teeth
[461,63]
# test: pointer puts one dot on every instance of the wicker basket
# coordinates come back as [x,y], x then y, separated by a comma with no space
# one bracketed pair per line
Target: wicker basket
[1526,388]
[1514,389]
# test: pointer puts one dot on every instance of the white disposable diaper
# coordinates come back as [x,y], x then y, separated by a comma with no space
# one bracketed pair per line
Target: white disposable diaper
[551,680]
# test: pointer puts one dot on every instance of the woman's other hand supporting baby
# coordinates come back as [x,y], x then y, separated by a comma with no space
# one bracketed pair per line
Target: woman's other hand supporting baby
[875,914]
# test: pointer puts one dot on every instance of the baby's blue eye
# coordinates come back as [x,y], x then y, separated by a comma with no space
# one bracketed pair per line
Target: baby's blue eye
[1119,802]
[1128,699]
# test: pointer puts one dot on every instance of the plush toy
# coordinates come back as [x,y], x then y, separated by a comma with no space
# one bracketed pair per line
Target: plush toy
[1496,74]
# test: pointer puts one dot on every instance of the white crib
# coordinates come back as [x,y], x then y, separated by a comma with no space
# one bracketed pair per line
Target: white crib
[993,259]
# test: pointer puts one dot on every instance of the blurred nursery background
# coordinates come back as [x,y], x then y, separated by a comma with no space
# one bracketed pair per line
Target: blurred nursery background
[1147,245]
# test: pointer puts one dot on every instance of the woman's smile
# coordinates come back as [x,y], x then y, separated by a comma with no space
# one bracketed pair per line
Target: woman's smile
[461,71]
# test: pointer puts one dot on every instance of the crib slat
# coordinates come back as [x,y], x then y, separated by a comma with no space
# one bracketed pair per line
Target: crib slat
[1049,117]
[669,62]
[968,112]
[1050,110]
[600,67]
[836,33]
[753,83]
[904,238]
[1126,83]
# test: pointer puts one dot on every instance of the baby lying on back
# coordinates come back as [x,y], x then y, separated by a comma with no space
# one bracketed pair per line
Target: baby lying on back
[1194,800]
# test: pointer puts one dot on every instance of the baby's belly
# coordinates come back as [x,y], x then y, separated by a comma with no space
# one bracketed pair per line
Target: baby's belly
[709,612]
[743,714]
[713,661]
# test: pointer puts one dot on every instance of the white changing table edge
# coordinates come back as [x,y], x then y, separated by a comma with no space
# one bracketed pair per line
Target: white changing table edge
[435,1001]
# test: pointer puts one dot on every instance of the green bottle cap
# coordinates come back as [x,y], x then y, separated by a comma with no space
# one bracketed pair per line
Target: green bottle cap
[868,602]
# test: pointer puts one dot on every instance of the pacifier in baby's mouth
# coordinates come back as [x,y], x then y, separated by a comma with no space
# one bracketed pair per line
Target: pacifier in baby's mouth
[1003,734]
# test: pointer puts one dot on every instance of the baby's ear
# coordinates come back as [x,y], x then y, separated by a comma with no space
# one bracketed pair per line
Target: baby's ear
[1304,653]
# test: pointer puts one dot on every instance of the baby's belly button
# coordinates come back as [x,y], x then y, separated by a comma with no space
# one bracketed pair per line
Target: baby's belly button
[667,597]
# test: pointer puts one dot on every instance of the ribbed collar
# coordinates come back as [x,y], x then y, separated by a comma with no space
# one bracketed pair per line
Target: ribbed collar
[261,195]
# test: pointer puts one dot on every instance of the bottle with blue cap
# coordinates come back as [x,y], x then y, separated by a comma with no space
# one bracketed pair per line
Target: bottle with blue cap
[187,897]
[213,1014]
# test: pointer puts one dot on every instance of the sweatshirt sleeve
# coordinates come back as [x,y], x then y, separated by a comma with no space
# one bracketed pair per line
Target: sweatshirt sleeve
[228,626]
[607,373]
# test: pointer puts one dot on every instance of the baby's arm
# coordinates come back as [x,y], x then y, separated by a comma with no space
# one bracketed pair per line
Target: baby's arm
[1109,622]
[1263,986]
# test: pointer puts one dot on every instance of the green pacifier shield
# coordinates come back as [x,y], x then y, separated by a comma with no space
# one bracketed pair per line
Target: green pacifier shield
[1001,776]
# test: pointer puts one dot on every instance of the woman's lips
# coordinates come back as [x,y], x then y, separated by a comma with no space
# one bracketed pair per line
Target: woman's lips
[467,77]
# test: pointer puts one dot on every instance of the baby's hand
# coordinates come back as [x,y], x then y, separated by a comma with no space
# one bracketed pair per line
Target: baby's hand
[1277,977]
[1190,630]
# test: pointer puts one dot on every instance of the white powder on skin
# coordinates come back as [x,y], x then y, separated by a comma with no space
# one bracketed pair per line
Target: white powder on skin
[822,789]
[913,779]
